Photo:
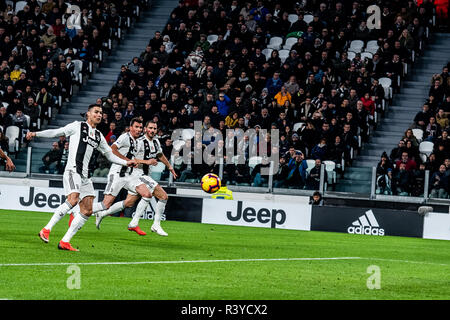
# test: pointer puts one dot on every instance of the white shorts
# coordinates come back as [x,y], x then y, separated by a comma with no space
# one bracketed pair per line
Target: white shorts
[148,181]
[117,183]
[73,182]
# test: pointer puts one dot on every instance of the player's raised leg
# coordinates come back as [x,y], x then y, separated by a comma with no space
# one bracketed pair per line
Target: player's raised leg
[146,195]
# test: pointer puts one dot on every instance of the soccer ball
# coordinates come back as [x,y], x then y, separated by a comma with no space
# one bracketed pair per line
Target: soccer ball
[210,183]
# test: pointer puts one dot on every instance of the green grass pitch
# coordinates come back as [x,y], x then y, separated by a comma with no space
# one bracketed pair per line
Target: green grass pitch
[409,268]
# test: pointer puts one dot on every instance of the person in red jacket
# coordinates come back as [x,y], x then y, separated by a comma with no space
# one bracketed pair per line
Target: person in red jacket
[410,164]
[368,104]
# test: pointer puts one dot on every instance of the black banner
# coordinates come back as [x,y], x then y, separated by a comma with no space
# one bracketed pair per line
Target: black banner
[369,221]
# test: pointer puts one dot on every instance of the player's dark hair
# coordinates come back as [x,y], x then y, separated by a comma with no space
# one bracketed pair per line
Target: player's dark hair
[135,119]
[151,121]
[93,106]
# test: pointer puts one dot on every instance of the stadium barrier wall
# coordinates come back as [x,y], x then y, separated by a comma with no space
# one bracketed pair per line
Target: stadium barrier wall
[295,214]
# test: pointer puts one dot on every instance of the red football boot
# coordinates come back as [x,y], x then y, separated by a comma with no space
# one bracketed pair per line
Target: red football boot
[138,231]
[44,234]
[66,246]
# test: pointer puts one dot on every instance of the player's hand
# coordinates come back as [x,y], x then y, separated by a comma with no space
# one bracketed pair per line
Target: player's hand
[152,162]
[173,172]
[10,165]
[30,135]
[132,163]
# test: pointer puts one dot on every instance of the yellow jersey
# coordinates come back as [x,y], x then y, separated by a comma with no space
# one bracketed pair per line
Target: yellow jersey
[223,193]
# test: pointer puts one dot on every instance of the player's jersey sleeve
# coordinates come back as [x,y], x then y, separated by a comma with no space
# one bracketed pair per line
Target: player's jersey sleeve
[66,131]
[122,142]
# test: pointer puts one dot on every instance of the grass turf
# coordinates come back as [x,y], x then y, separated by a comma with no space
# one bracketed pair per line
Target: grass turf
[420,271]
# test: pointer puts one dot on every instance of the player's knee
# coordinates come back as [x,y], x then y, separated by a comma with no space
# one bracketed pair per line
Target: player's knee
[128,203]
[164,197]
[73,199]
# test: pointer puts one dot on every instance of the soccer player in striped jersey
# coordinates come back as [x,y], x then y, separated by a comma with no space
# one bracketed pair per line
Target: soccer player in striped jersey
[149,149]
[120,177]
[85,139]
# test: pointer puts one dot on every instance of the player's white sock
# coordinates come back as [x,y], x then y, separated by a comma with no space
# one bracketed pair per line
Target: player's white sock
[140,210]
[60,212]
[98,206]
[76,225]
[159,210]
[116,207]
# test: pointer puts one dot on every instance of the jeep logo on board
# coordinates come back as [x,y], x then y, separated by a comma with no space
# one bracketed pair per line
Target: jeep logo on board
[264,215]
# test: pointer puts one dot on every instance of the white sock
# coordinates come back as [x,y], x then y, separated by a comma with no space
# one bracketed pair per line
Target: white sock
[76,225]
[60,212]
[98,206]
[159,210]
[116,207]
[140,210]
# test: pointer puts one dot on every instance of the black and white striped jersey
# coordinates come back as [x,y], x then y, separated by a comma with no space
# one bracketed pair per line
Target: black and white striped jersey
[147,149]
[84,140]
[127,146]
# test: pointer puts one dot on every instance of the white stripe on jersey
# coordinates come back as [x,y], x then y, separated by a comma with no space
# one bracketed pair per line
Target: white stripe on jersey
[147,149]
[124,147]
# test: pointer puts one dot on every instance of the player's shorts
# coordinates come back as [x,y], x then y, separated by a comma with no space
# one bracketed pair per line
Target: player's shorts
[74,182]
[148,181]
[117,183]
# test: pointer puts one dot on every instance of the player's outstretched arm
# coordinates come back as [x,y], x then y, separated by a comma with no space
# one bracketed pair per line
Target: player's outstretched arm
[9,164]
[164,160]
[53,133]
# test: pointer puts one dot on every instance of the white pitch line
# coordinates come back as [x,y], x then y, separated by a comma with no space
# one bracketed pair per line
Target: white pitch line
[171,262]
[408,261]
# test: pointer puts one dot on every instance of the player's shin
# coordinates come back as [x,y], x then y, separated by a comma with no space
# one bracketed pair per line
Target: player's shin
[140,209]
[159,210]
[77,223]
[98,206]
[60,212]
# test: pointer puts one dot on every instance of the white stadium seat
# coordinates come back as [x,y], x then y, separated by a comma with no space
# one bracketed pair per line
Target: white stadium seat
[212,38]
[308,18]
[311,164]
[418,133]
[275,43]
[426,148]
[289,43]
[371,50]
[330,167]
[157,170]
[267,52]
[351,55]
[386,83]
[13,132]
[372,44]
[357,44]
[20,5]
[284,54]
[297,126]
[253,161]
[367,55]
[292,18]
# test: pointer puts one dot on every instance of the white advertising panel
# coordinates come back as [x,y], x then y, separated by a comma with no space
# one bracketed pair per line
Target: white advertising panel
[265,214]
[437,226]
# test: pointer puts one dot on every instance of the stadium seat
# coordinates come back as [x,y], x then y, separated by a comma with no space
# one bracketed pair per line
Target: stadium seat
[418,133]
[367,55]
[67,50]
[330,167]
[212,38]
[267,52]
[311,163]
[386,84]
[13,132]
[78,69]
[297,126]
[253,161]
[356,45]
[372,44]
[351,55]
[308,18]
[28,120]
[426,148]
[371,50]
[5,104]
[275,43]
[20,5]
[289,43]
[284,54]
[292,18]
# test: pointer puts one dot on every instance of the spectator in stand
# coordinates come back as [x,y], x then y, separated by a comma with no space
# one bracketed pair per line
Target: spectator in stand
[439,183]
[313,179]
[402,180]
[432,130]
[297,171]
[422,117]
[52,157]
[409,163]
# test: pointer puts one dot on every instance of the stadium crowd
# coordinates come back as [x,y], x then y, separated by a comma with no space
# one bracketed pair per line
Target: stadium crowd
[424,146]
[222,63]
[41,58]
